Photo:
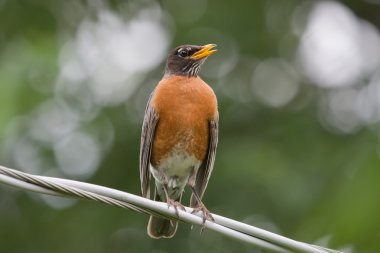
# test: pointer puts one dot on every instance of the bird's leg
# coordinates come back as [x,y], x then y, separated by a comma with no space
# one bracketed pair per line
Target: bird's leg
[169,200]
[200,207]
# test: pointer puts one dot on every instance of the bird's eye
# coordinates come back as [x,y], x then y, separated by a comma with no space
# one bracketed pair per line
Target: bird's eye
[183,53]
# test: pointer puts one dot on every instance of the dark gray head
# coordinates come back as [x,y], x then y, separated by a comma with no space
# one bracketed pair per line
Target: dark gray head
[186,60]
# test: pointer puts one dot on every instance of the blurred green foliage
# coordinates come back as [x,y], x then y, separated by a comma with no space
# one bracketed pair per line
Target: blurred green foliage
[281,167]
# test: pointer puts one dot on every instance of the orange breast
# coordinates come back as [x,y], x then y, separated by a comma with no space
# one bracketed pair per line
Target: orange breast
[185,107]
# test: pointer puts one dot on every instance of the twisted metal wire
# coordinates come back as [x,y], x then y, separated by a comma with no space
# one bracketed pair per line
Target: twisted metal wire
[69,188]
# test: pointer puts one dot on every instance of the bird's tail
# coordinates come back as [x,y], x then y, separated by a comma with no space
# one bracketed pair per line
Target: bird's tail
[160,227]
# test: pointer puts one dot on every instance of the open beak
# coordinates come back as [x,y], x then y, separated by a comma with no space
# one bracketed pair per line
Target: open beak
[204,52]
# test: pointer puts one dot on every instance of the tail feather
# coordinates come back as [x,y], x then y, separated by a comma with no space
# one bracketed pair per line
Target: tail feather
[160,227]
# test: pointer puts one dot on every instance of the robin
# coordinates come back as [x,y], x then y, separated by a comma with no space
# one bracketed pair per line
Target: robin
[179,136]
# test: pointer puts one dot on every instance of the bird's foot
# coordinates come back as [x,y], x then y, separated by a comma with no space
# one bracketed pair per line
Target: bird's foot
[176,205]
[206,215]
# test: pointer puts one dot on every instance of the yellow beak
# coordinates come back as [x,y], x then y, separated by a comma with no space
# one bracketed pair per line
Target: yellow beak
[205,51]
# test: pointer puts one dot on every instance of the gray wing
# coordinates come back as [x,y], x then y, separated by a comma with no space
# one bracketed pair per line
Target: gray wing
[147,135]
[204,172]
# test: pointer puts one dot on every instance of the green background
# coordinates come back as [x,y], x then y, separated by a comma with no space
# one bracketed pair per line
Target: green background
[296,82]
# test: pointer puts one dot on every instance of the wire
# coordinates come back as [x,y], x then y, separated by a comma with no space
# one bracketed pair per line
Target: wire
[228,227]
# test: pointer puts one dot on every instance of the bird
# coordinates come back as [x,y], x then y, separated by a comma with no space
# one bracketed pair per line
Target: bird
[179,136]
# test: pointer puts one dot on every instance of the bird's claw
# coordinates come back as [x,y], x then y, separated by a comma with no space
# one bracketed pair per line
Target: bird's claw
[176,205]
[206,215]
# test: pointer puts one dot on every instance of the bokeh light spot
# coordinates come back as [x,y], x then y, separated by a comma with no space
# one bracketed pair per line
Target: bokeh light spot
[275,82]
[78,155]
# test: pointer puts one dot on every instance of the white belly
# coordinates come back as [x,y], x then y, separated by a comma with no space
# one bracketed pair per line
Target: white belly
[176,168]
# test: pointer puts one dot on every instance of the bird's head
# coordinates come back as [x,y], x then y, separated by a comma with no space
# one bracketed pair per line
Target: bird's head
[186,60]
